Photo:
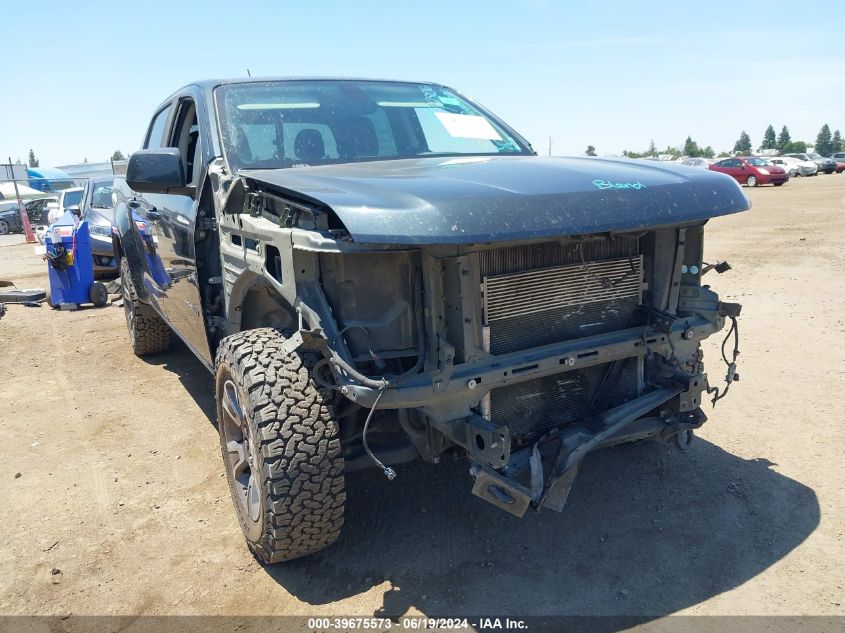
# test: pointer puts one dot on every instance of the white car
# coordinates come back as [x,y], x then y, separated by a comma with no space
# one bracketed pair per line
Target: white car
[67,198]
[701,163]
[796,166]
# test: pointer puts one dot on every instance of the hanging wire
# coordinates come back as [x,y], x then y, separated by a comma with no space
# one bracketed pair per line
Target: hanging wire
[387,470]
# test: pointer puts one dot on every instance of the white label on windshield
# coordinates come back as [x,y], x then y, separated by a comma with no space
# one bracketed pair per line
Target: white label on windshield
[468,126]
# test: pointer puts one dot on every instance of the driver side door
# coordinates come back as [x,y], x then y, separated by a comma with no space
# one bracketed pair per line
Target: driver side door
[174,220]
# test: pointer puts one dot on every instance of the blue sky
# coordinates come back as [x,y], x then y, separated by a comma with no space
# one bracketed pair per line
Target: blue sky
[614,75]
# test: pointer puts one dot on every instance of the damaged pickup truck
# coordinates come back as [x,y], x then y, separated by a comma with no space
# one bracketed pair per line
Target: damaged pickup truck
[378,272]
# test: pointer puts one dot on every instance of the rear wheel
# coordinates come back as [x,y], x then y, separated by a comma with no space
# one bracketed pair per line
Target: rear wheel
[777,184]
[148,332]
[281,447]
[751,181]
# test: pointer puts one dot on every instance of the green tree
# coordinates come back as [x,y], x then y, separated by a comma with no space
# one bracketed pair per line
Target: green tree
[743,145]
[769,139]
[837,141]
[652,148]
[708,152]
[783,139]
[824,144]
[33,162]
[795,147]
[118,155]
[591,151]
[691,148]
[723,155]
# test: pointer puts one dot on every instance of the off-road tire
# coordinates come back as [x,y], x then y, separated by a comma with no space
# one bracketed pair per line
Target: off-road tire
[148,332]
[298,493]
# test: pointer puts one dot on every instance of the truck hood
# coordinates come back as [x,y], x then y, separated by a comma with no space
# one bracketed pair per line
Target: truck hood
[486,199]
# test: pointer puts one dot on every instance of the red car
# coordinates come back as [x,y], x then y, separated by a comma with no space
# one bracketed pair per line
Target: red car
[752,171]
[840,166]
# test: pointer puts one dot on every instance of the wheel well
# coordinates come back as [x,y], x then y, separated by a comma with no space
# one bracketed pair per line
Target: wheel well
[262,306]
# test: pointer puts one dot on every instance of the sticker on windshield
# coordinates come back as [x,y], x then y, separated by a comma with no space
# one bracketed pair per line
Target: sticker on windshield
[468,126]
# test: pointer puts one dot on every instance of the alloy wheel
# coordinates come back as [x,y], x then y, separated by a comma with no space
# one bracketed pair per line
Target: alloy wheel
[240,451]
[128,306]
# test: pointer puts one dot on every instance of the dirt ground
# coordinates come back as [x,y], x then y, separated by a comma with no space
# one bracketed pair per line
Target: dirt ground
[121,484]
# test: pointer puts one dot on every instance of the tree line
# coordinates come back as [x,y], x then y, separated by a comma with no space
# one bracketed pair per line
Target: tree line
[34,162]
[827,143]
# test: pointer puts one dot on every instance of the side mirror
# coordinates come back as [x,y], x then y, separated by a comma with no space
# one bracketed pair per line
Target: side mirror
[156,171]
[75,210]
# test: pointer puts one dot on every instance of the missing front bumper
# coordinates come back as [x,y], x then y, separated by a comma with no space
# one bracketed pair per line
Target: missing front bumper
[548,485]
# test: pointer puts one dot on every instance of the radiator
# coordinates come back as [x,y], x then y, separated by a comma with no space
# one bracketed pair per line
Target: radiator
[549,293]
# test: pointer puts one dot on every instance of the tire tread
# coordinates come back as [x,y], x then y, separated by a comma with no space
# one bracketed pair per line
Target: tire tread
[300,459]
[151,333]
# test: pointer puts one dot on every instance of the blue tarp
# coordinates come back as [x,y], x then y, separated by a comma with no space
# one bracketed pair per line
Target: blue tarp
[49,179]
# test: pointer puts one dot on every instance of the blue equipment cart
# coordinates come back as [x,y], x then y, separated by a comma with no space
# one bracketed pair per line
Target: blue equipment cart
[71,266]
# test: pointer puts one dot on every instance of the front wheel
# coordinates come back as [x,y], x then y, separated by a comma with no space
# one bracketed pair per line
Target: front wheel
[4,227]
[281,446]
[751,181]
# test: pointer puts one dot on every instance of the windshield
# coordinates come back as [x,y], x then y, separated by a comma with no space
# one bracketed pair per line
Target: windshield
[267,125]
[101,194]
[814,156]
[72,198]
[758,162]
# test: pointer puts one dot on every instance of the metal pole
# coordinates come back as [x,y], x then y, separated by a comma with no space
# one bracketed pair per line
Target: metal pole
[27,227]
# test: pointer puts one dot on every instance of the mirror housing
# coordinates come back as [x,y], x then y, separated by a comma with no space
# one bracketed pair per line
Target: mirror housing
[157,170]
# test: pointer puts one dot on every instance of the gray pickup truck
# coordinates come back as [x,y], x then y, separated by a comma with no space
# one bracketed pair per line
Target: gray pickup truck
[378,271]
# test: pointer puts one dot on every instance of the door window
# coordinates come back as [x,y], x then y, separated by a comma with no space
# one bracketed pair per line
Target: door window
[186,137]
[156,131]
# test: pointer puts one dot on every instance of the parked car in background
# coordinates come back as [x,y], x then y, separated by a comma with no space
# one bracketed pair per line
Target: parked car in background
[10,218]
[752,171]
[97,210]
[701,163]
[67,198]
[839,157]
[795,166]
[827,165]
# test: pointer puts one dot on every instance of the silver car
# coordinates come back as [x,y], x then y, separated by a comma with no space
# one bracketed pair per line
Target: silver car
[796,166]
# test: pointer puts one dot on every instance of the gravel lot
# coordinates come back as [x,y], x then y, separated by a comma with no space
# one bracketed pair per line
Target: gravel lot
[111,474]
